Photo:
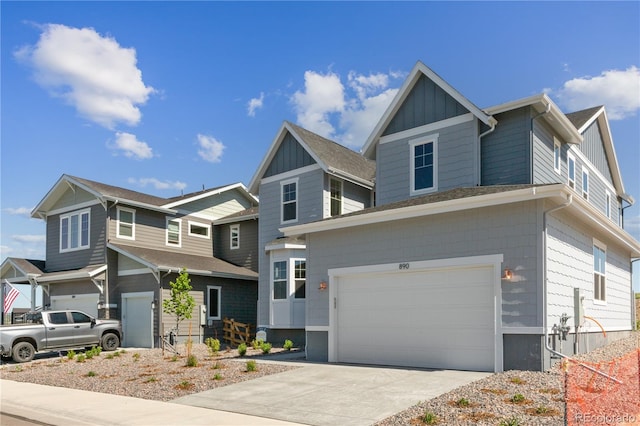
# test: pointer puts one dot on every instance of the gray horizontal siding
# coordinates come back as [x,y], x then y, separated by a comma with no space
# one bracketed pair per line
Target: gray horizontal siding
[247,254]
[426,103]
[543,147]
[93,255]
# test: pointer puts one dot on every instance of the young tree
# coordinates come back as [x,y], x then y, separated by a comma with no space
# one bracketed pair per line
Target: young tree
[181,303]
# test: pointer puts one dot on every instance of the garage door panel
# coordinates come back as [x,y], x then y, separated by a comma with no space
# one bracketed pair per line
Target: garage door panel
[431,318]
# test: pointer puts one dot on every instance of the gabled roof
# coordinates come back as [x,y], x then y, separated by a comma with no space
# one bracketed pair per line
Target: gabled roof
[247,214]
[162,260]
[14,267]
[543,105]
[418,70]
[194,196]
[585,118]
[332,157]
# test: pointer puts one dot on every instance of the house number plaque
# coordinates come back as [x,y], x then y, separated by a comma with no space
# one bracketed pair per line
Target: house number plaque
[403,266]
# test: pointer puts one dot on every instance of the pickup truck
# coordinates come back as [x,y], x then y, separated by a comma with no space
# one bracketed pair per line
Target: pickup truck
[57,330]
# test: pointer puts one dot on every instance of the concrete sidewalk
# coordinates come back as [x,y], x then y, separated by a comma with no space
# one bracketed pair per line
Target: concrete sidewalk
[63,407]
[330,394]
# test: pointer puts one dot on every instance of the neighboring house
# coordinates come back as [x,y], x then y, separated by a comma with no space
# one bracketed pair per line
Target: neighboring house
[112,252]
[489,228]
[302,178]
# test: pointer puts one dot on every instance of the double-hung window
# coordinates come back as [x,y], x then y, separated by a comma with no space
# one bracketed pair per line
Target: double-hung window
[599,279]
[585,183]
[300,278]
[214,302]
[74,231]
[280,280]
[556,155]
[336,197]
[571,171]
[423,165]
[289,198]
[126,223]
[173,232]
[234,236]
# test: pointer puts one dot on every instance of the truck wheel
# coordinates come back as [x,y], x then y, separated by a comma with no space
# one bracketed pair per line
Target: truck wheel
[23,352]
[110,342]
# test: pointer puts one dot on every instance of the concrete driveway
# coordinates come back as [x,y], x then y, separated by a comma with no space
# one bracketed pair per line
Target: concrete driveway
[330,394]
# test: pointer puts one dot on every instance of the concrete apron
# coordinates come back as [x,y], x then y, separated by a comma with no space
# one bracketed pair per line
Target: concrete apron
[330,394]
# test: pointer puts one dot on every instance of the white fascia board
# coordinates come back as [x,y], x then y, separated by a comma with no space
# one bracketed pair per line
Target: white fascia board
[614,166]
[140,260]
[134,203]
[236,219]
[72,275]
[207,273]
[40,211]
[284,246]
[351,178]
[431,127]
[243,190]
[401,213]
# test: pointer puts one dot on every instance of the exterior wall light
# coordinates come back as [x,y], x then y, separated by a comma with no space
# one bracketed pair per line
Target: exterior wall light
[508,274]
[323,286]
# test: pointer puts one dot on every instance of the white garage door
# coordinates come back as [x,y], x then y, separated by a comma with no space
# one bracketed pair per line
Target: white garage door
[137,320]
[435,318]
[87,303]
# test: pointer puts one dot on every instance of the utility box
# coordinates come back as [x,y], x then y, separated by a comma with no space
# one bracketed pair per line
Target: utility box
[578,308]
[203,315]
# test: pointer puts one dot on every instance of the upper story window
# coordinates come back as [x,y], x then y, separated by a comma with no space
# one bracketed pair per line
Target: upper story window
[74,230]
[289,198]
[173,232]
[280,280]
[126,227]
[199,230]
[585,183]
[300,278]
[607,204]
[336,197]
[571,171]
[234,236]
[556,155]
[599,262]
[423,165]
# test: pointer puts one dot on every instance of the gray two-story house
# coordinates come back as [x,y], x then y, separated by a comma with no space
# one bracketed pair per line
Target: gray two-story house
[112,252]
[487,239]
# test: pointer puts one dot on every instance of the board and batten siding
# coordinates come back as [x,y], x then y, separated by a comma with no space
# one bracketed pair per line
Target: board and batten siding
[426,103]
[456,162]
[570,265]
[593,148]
[93,255]
[289,156]
[511,230]
[505,153]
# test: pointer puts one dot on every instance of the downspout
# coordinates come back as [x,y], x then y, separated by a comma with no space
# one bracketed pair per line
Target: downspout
[544,292]
[106,260]
[479,176]
[546,111]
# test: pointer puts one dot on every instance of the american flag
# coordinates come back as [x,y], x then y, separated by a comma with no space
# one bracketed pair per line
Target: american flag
[10,296]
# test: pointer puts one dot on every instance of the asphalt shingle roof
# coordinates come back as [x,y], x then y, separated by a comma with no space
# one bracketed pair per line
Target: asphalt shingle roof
[578,118]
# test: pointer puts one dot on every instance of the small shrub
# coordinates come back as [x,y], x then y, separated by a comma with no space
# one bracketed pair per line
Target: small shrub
[81,358]
[257,343]
[517,398]
[94,351]
[266,348]
[213,345]
[216,366]
[242,349]
[462,402]
[192,361]
[429,418]
[513,421]
[117,353]
[18,369]
[110,356]
[71,354]
[288,344]
[251,365]
[517,381]
[136,357]
[151,380]
[92,374]
[123,351]
[185,384]
[217,376]
[551,391]
[174,358]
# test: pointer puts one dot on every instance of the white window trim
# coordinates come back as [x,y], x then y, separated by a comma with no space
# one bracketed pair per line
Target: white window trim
[133,224]
[273,280]
[219,288]
[236,228]
[571,182]
[166,239]
[282,184]
[557,148]
[603,247]
[202,225]
[585,173]
[433,138]
[607,208]
[339,181]
[292,277]
[78,213]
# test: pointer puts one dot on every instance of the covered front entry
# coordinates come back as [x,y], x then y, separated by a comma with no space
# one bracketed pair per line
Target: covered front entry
[137,319]
[433,314]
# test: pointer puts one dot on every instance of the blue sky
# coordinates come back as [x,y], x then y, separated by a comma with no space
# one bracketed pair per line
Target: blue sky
[164,97]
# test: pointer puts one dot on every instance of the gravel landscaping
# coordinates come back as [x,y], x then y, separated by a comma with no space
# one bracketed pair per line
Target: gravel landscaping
[508,398]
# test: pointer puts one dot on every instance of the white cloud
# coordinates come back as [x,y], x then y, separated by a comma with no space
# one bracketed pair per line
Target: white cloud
[345,113]
[254,104]
[617,90]
[157,183]
[210,148]
[132,147]
[19,211]
[91,72]
[29,238]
